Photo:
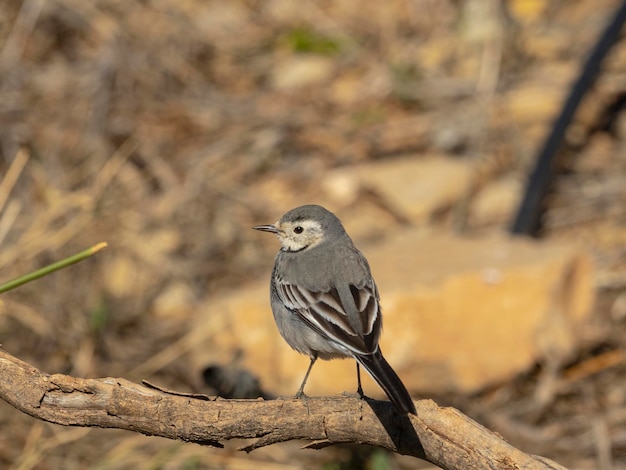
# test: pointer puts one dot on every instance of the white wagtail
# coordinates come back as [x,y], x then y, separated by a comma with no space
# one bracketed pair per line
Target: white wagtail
[325,301]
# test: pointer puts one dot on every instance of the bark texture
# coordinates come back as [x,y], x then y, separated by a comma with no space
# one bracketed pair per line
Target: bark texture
[443,436]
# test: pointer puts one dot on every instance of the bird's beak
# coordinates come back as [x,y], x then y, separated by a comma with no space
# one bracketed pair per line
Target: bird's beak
[268,228]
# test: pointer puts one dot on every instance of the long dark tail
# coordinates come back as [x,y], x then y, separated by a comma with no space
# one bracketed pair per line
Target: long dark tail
[388,380]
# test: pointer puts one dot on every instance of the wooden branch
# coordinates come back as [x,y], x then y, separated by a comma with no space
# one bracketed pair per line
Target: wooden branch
[443,436]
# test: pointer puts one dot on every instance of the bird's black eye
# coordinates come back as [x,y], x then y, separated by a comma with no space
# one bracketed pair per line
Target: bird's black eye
[298,229]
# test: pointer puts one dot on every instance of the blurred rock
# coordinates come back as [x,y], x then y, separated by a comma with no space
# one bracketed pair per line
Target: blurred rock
[416,187]
[495,203]
[529,103]
[301,71]
[460,315]
[124,277]
[175,300]
[370,224]
[597,155]
[411,188]
[527,11]
[341,187]
[357,85]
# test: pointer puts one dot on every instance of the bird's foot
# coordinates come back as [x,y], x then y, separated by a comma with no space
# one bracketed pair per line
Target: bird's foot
[300,395]
[303,398]
[360,394]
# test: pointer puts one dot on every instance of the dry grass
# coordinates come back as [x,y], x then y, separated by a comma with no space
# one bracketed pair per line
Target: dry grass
[168,128]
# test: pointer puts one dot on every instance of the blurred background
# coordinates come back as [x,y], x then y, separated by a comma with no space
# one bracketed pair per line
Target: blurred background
[169,128]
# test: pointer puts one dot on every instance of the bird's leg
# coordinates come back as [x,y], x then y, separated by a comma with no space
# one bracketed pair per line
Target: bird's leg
[300,392]
[359,389]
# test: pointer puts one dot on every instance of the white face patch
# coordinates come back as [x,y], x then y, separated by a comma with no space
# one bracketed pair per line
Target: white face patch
[300,235]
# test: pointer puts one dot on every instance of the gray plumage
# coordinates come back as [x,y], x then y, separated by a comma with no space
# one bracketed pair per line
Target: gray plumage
[324,299]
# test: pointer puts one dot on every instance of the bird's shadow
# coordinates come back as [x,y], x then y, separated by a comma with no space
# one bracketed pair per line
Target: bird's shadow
[399,427]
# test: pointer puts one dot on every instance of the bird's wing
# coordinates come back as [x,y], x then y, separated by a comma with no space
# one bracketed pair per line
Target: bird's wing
[325,312]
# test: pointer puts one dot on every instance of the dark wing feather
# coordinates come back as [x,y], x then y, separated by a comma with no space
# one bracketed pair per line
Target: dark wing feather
[325,313]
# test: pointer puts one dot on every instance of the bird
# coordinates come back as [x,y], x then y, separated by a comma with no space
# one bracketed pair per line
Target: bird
[325,301]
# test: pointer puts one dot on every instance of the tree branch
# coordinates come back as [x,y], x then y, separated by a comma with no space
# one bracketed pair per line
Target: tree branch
[443,436]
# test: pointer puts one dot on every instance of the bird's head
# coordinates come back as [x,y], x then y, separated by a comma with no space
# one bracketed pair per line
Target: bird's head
[304,227]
